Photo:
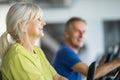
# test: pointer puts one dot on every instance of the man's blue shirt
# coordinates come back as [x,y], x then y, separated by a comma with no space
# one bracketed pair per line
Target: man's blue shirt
[63,62]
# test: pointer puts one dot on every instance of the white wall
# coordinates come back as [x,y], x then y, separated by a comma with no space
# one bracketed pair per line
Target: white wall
[88,9]
[93,11]
[3,12]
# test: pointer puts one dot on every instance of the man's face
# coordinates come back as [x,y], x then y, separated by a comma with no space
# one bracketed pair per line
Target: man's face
[76,35]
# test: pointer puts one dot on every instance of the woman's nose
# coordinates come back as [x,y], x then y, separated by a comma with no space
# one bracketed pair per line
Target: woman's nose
[43,23]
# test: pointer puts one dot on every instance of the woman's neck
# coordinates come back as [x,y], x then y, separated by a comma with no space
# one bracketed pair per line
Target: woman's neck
[27,43]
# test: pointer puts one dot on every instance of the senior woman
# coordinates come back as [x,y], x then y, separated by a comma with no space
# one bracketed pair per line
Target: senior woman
[22,60]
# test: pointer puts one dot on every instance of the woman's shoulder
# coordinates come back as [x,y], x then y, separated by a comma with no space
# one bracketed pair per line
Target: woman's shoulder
[14,50]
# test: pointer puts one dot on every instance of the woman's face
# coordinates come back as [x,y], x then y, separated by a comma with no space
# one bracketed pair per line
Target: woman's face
[35,27]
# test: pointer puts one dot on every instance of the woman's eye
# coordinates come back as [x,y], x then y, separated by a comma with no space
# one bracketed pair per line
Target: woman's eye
[38,19]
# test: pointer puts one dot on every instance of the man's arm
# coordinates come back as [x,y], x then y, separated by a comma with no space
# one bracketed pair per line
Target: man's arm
[81,68]
[101,69]
[107,67]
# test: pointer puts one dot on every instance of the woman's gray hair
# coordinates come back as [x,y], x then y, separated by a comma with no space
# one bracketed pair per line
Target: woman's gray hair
[20,12]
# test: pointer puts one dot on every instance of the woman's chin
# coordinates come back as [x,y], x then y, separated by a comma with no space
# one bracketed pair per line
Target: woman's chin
[41,35]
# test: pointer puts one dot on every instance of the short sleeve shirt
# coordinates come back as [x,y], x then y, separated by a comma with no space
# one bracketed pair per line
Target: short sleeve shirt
[21,64]
[64,60]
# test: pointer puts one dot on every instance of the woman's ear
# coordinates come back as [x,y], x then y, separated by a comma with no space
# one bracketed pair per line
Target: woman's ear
[20,26]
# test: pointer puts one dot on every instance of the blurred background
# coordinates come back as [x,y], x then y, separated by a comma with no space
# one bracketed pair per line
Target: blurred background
[103,24]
